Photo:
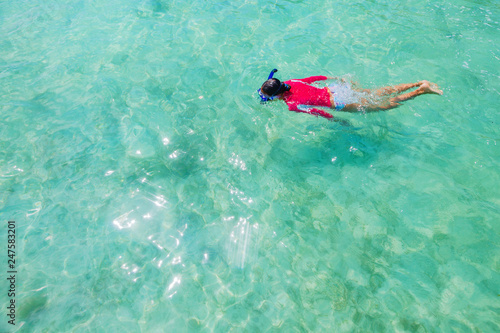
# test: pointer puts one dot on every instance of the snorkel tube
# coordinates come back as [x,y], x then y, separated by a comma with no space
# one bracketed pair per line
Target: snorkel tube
[263,98]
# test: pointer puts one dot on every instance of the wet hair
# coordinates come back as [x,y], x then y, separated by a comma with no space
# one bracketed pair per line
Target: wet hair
[273,87]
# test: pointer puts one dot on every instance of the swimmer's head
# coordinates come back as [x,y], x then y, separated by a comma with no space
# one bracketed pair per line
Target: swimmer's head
[273,87]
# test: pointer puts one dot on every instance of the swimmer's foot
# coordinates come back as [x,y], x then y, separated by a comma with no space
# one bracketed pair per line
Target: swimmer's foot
[429,88]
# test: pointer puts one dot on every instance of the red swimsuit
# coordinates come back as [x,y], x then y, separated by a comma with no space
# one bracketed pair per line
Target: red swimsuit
[301,95]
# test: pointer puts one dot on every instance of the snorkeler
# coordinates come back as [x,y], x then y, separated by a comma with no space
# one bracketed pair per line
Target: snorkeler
[301,96]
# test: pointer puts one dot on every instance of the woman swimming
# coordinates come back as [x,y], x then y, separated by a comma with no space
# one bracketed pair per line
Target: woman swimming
[301,96]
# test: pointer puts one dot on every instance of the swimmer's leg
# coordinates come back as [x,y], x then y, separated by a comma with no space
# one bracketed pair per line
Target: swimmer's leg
[396,89]
[365,106]
[389,90]
[353,107]
[425,88]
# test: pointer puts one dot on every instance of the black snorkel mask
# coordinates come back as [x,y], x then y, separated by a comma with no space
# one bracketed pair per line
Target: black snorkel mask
[282,88]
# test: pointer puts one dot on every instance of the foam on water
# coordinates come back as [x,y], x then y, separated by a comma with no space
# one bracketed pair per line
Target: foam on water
[152,191]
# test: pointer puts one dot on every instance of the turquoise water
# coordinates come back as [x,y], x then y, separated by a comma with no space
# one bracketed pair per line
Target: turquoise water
[152,192]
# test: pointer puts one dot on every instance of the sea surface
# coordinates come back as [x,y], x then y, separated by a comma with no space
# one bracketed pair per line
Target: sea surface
[152,192]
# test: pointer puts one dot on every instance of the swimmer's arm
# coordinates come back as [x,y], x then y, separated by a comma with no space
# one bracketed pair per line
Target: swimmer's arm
[312,79]
[312,111]
[319,112]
